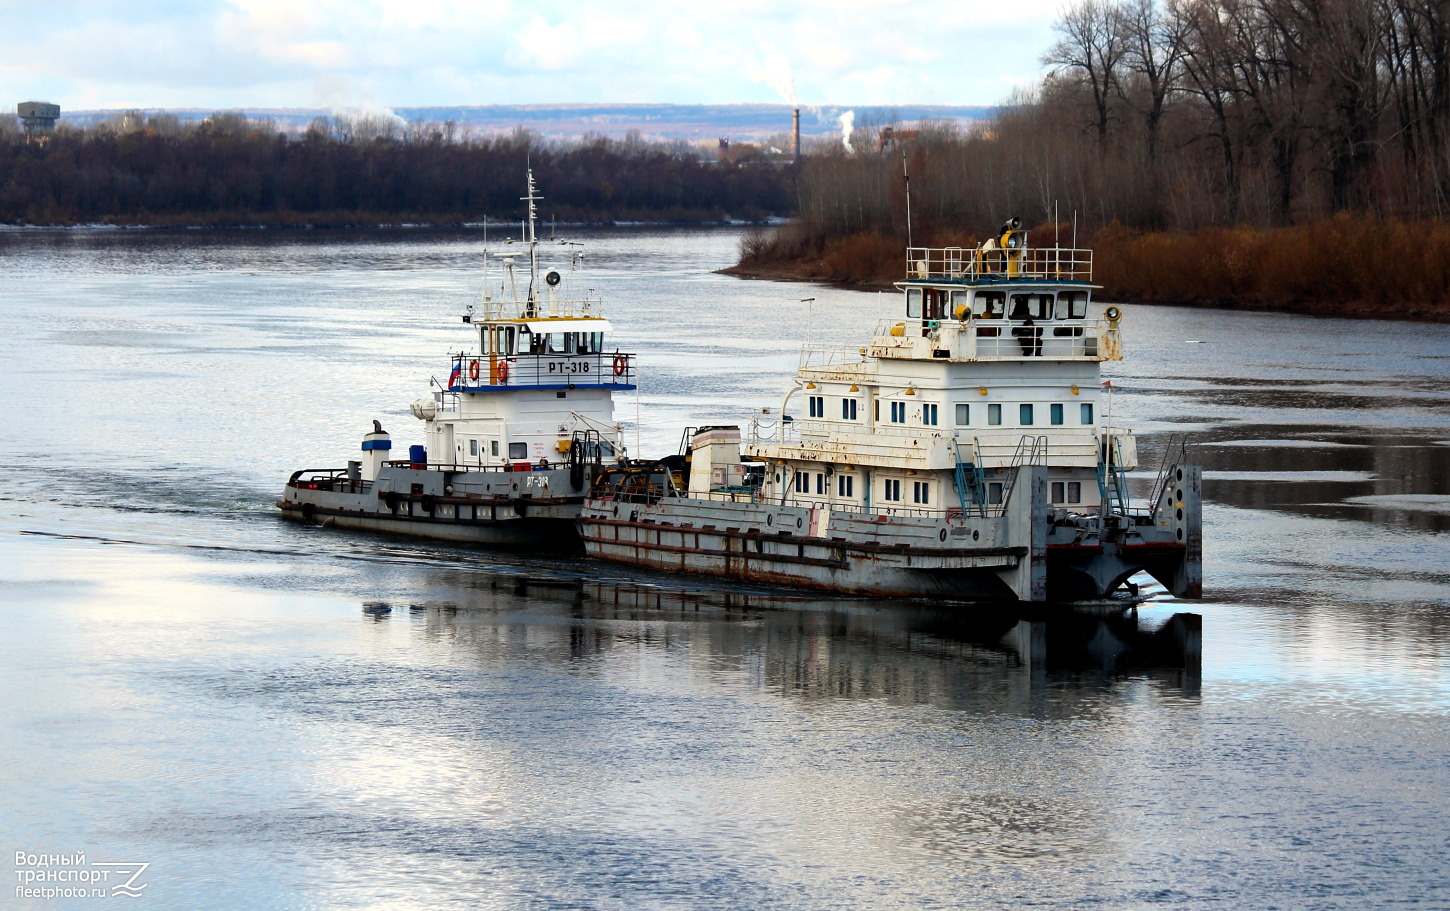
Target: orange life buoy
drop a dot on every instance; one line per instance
(621, 364)
(473, 370)
(503, 371)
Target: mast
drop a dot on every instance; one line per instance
(533, 238)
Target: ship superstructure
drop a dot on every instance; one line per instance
(515, 435)
(968, 451)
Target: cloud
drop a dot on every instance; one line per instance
(227, 53)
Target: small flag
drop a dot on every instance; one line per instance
(453, 377)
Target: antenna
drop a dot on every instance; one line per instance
(907, 178)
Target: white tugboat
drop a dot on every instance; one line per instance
(513, 439)
(969, 452)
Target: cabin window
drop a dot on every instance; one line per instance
(934, 301)
(1068, 492)
(891, 490)
(1031, 306)
(802, 482)
(473, 447)
(876, 410)
(1072, 305)
(493, 447)
(913, 303)
(994, 493)
(964, 415)
(1055, 413)
(559, 342)
(1087, 412)
(817, 406)
(1024, 415)
(921, 492)
(928, 415)
(844, 485)
(503, 336)
(961, 305)
(990, 304)
(848, 409)
(898, 412)
(994, 414)
(518, 450)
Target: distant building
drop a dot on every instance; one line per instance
(37, 116)
(891, 136)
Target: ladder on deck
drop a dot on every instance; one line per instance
(1112, 481)
(971, 481)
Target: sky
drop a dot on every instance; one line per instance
(345, 54)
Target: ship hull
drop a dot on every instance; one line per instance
(1019, 555)
(496, 509)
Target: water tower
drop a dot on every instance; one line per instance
(37, 116)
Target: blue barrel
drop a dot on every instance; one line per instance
(418, 455)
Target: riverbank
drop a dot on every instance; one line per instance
(1354, 267)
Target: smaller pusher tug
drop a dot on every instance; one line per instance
(968, 452)
(513, 441)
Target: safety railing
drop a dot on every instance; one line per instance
(570, 308)
(1043, 263)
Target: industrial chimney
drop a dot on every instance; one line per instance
(795, 133)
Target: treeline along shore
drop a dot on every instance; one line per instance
(1278, 154)
(231, 170)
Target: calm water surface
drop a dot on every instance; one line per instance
(277, 716)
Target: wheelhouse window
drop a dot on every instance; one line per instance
(961, 305)
(898, 412)
(921, 492)
(848, 409)
(844, 485)
(928, 415)
(1031, 306)
(990, 304)
(964, 415)
(817, 406)
(1055, 413)
(913, 303)
(1024, 415)
(994, 414)
(891, 490)
(1072, 305)
(802, 482)
(820, 483)
(1086, 410)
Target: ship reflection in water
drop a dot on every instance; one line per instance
(894, 650)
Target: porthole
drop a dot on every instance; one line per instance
(1178, 495)
(1180, 515)
(1180, 534)
(1180, 474)
(976, 534)
(942, 535)
(770, 520)
(799, 522)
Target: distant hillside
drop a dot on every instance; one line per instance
(689, 122)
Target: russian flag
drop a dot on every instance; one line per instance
(453, 377)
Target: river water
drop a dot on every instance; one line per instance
(279, 716)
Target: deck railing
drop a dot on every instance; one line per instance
(1045, 263)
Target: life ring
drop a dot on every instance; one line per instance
(621, 364)
(473, 370)
(503, 371)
